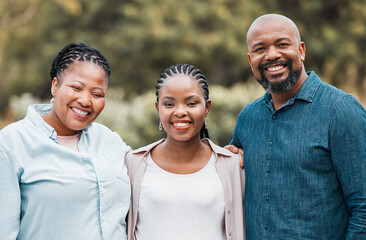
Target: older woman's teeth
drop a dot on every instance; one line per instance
(80, 112)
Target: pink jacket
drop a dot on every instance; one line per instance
(230, 174)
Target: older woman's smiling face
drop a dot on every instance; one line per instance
(79, 97)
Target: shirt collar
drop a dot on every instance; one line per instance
(309, 88)
(216, 149)
(35, 112)
(306, 92)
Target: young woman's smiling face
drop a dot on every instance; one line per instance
(182, 107)
(79, 97)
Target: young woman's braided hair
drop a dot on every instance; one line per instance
(78, 52)
(190, 71)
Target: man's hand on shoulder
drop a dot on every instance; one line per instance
(234, 149)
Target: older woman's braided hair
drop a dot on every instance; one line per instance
(78, 52)
(190, 71)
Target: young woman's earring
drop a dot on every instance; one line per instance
(160, 126)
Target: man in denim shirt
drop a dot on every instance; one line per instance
(304, 145)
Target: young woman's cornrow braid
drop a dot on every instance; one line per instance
(78, 52)
(188, 70)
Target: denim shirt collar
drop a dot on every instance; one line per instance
(35, 112)
(306, 92)
(309, 88)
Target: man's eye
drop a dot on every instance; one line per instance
(283, 44)
(258, 49)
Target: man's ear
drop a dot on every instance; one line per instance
(302, 50)
(250, 61)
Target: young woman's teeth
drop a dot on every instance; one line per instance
(180, 124)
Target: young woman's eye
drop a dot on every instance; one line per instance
(168, 104)
(191, 104)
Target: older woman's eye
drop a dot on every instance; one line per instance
(97, 95)
(76, 88)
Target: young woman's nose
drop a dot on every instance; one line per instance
(181, 110)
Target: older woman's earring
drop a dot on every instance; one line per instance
(160, 126)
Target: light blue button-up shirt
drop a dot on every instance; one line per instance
(48, 191)
(305, 165)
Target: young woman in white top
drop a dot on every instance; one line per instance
(184, 186)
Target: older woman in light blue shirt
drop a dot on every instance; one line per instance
(62, 175)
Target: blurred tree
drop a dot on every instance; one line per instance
(147, 36)
(17, 12)
(335, 35)
(142, 37)
(13, 14)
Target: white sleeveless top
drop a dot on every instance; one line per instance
(181, 206)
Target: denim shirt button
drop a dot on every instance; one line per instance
(274, 116)
(268, 170)
(265, 226)
(270, 143)
(266, 198)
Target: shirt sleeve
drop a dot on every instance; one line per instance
(348, 151)
(9, 197)
(236, 134)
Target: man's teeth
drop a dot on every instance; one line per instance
(180, 124)
(272, 69)
(80, 112)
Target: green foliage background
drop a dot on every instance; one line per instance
(140, 38)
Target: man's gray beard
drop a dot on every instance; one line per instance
(283, 86)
